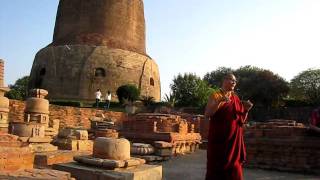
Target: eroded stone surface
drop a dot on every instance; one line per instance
(37, 174)
(110, 148)
(109, 163)
(141, 149)
(80, 172)
(15, 158)
(74, 145)
(47, 159)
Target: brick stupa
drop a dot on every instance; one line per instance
(96, 44)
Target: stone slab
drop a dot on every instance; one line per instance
(74, 145)
(36, 174)
(152, 158)
(39, 140)
(47, 159)
(15, 158)
(109, 163)
(80, 172)
(162, 144)
(42, 147)
(164, 152)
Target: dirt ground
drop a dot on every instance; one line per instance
(193, 167)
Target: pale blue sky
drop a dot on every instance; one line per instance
(186, 35)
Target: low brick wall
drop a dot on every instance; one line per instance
(68, 116)
(283, 147)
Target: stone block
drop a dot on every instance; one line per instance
(151, 158)
(74, 145)
(105, 148)
(84, 145)
(55, 123)
(37, 174)
(141, 149)
(164, 152)
(42, 147)
(16, 158)
(81, 134)
(134, 162)
(81, 172)
(67, 133)
(111, 133)
(66, 144)
(28, 129)
(47, 159)
(105, 163)
(39, 140)
(162, 144)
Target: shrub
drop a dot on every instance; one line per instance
(129, 92)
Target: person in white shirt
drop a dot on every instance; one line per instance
(108, 100)
(98, 97)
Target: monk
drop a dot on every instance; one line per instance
(226, 149)
(315, 121)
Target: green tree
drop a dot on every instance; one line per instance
(214, 78)
(128, 92)
(306, 86)
(190, 90)
(19, 89)
(261, 86)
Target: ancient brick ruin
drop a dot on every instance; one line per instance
(171, 129)
(96, 44)
(282, 145)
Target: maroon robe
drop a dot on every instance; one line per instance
(226, 149)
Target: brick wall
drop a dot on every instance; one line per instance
(68, 116)
(283, 147)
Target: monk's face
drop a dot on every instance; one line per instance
(229, 83)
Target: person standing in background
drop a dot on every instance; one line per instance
(108, 100)
(98, 97)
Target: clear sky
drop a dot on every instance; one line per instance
(186, 35)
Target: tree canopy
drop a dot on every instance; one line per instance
(261, 86)
(306, 86)
(190, 90)
(19, 89)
